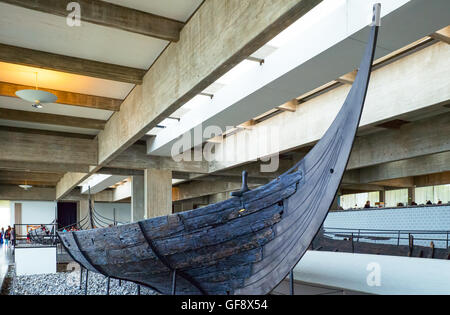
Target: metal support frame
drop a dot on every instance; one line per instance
(291, 282)
(138, 290)
(174, 282)
(81, 276)
(108, 281)
(87, 282)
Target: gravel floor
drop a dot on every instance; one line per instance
(65, 283)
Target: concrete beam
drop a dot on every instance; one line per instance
(432, 179)
(397, 182)
(425, 72)
(51, 119)
(25, 147)
(190, 66)
(90, 68)
(110, 15)
(135, 157)
(68, 183)
(66, 98)
(43, 167)
(294, 69)
(14, 192)
(442, 35)
(429, 164)
(120, 171)
(100, 183)
(428, 136)
(31, 178)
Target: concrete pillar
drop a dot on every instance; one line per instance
(382, 198)
(83, 212)
(158, 192)
(411, 195)
(137, 198)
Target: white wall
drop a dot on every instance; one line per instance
(35, 261)
(123, 211)
(375, 274)
(35, 212)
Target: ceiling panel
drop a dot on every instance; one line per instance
(57, 109)
(19, 124)
(63, 81)
(46, 32)
(180, 10)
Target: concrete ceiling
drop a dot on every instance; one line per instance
(179, 10)
(50, 33)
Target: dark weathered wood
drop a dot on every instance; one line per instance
(247, 244)
(66, 98)
(111, 15)
(90, 68)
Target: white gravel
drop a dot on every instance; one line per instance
(67, 283)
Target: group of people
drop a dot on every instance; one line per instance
(7, 237)
(400, 204)
(72, 229)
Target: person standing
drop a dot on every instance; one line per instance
(2, 233)
(7, 236)
(12, 237)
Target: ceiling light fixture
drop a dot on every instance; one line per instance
(26, 187)
(37, 97)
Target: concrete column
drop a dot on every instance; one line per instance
(383, 197)
(158, 192)
(83, 212)
(411, 195)
(137, 198)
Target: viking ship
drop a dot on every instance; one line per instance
(247, 244)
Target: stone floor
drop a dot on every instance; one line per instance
(68, 283)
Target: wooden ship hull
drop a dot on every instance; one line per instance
(245, 245)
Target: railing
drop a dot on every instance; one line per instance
(35, 235)
(440, 239)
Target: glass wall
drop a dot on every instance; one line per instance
(433, 193)
(393, 197)
(359, 200)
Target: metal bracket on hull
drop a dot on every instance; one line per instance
(244, 188)
(168, 265)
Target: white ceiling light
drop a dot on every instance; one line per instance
(37, 97)
(26, 187)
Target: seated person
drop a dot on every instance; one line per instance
(429, 202)
(367, 205)
(400, 204)
(413, 203)
(439, 202)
